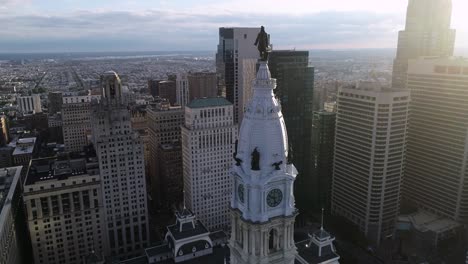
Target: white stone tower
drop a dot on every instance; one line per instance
(262, 204)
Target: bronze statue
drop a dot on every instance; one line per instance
(277, 165)
(255, 160)
(263, 44)
(238, 161)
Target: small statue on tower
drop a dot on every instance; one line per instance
(263, 44)
(255, 160)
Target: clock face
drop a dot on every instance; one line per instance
(274, 197)
(240, 192)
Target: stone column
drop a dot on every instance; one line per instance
(261, 237)
(285, 237)
(290, 236)
(233, 229)
(245, 240)
(252, 236)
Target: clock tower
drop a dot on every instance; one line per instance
(262, 203)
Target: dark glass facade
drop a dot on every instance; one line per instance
(323, 142)
(225, 63)
(295, 85)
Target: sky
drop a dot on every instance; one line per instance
(176, 25)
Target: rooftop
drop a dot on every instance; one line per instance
(208, 102)
(424, 221)
(310, 253)
(24, 146)
(188, 230)
(153, 251)
(59, 168)
(220, 255)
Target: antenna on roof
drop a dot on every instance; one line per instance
(321, 225)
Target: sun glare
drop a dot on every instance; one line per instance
(459, 16)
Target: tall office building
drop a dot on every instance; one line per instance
(435, 174)
(164, 123)
(295, 84)
(167, 90)
(208, 137)
(29, 104)
(202, 84)
(182, 89)
(194, 85)
(153, 86)
(55, 102)
(11, 218)
(76, 122)
(65, 213)
(4, 130)
(427, 33)
(323, 147)
(371, 129)
(235, 65)
(171, 175)
(122, 167)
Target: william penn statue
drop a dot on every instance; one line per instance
(263, 44)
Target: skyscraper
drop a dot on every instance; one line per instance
(4, 130)
(121, 163)
(202, 84)
(427, 33)
(182, 89)
(55, 102)
(208, 137)
(323, 146)
(235, 65)
(11, 216)
(164, 123)
(76, 122)
(262, 203)
(29, 104)
(295, 84)
(435, 174)
(371, 128)
(171, 174)
(196, 85)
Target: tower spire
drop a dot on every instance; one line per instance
(321, 225)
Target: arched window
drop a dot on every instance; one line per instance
(273, 240)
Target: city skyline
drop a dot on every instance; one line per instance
(81, 26)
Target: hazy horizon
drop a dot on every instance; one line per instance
(123, 25)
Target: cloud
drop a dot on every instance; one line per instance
(173, 30)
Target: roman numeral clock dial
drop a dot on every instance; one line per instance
(274, 197)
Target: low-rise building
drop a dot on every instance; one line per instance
(24, 150)
(187, 241)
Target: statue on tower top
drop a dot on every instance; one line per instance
(263, 44)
